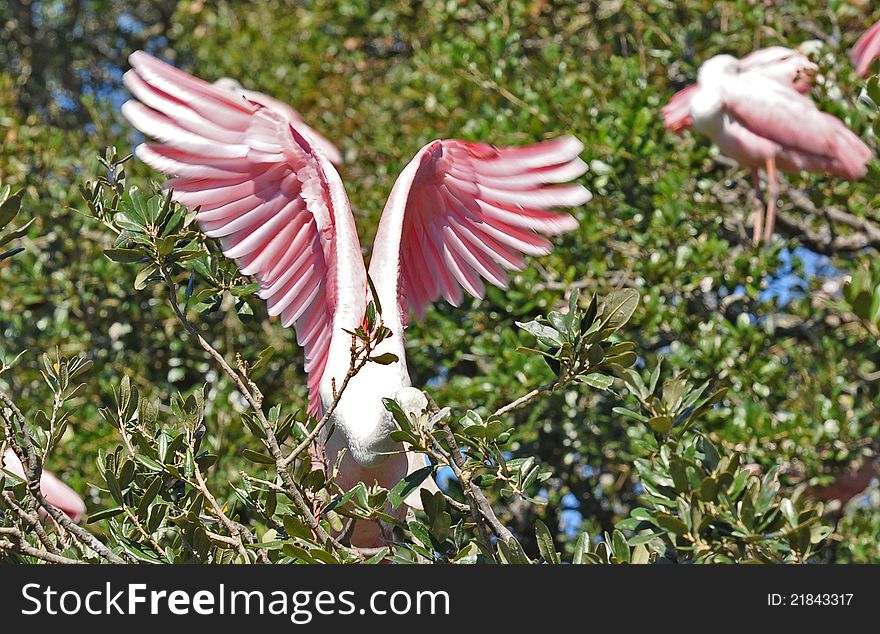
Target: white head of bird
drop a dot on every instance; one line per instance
(707, 104)
(717, 69)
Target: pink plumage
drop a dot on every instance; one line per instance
(256, 187)
(465, 212)
(783, 65)
(330, 150)
(460, 213)
(54, 490)
(866, 51)
(764, 124)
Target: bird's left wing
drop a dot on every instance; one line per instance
(463, 212)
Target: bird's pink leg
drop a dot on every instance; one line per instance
(759, 208)
(772, 196)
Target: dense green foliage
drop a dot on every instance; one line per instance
(706, 425)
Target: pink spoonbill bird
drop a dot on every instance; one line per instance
(787, 66)
(459, 213)
(866, 51)
(763, 124)
(54, 490)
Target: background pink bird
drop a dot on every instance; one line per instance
(866, 50)
(785, 65)
(764, 124)
(460, 213)
(56, 492)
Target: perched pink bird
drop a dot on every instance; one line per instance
(787, 66)
(766, 125)
(55, 491)
(459, 213)
(866, 50)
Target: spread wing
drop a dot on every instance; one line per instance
(461, 213)
(276, 205)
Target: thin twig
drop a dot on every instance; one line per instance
(21, 546)
(477, 497)
(218, 512)
(525, 398)
(357, 362)
(291, 489)
(33, 472)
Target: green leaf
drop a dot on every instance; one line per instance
(256, 456)
(149, 463)
(397, 412)
(581, 547)
(386, 358)
(619, 307)
(409, 484)
(512, 552)
(18, 233)
(140, 282)
(598, 381)
(671, 524)
(105, 514)
(545, 334)
(619, 547)
(149, 495)
(660, 424)
(263, 357)
(440, 526)
(545, 543)
(789, 512)
(113, 486)
(9, 209)
(124, 255)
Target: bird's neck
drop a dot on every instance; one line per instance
(359, 415)
(707, 110)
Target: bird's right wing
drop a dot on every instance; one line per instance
(275, 203)
(462, 212)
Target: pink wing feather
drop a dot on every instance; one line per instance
(54, 490)
(463, 212)
(330, 150)
(866, 50)
(778, 63)
(809, 138)
(676, 113)
(276, 204)
(783, 65)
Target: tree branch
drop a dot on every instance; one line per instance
(33, 471)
